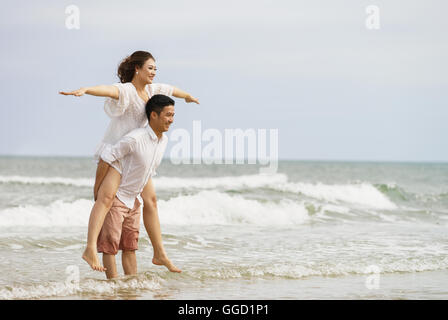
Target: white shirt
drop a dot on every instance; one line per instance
(136, 156)
(128, 112)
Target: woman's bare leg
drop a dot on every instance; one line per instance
(101, 172)
(106, 195)
(152, 226)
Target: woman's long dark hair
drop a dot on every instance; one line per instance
(126, 69)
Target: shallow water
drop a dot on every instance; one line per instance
(314, 230)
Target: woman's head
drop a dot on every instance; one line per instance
(140, 64)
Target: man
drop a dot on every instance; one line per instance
(135, 157)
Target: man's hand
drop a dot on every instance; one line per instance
(76, 93)
(191, 99)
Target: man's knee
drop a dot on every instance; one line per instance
(128, 253)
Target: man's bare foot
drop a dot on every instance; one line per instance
(91, 258)
(164, 261)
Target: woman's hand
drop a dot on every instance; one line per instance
(76, 93)
(99, 91)
(189, 98)
(178, 93)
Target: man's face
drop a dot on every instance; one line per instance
(165, 119)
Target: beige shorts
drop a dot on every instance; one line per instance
(120, 229)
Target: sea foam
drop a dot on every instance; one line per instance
(87, 287)
(205, 207)
(363, 194)
(77, 182)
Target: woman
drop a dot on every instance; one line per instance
(125, 104)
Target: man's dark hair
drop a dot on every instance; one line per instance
(157, 103)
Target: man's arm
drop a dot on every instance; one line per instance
(119, 150)
(99, 91)
(110, 154)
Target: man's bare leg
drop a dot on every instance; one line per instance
(152, 226)
(111, 265)
(106, 195)
(129, 261)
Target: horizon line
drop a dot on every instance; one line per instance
(245, 160)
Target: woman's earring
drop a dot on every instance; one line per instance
(136, 72)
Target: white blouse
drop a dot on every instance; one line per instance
(128, 112)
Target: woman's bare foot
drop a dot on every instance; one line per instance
(164, 261)
(91, 258)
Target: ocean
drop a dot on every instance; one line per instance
(313, 230)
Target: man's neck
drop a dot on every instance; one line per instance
(158, 133)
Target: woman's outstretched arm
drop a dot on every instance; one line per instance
(99, 91)
(184, 95)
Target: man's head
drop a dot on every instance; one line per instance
(160, 112)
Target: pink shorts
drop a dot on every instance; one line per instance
(120, 229)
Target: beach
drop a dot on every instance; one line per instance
(313, 230)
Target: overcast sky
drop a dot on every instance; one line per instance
(333, 88)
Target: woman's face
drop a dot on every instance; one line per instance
(148, 71)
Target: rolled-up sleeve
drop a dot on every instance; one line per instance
(114, 107)
(119, 150)
(161, 88)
